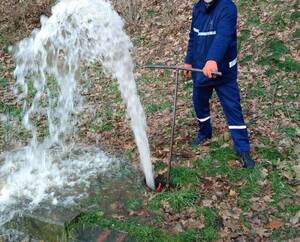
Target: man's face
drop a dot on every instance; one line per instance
(208, 3)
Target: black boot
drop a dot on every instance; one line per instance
(247, 160)
(200, 139)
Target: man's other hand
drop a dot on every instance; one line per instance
(210, 67)
(187, 74)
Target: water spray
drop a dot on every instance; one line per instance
(79, 33)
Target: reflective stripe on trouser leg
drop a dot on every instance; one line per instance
(201, 96)
(202, 120)
(240, 138)
(229, 96)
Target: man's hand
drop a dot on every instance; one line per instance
(187, 74)
(210, 67)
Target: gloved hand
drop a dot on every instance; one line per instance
(187, 74)
(210, 67)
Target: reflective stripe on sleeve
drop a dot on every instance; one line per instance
(237, 127)
(204, 33)
(232, 63)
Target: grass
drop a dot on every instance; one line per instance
(244, 35)
(183, 176)
(101, 127)
(296, 34)
(159, 165)
(270, 154)
(284, 234)
(277, 64)
(216, 162)
(178, 200)
(251, 187)
(280, 189)
(4, 41)
(10, 109)
(289, 131)
(137, 231)
(153, 107)
(276, 50)
(133, 204)
(3, 83)
(258, 90)
(144, 233)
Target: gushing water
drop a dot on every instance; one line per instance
(78, 32)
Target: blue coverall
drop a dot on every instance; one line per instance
(213, 36)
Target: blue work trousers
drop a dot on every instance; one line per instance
(229, 96)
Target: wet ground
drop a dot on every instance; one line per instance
(113, 195)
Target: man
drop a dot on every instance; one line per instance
(213, 47)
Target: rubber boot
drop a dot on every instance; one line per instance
(205, 133)
(248, 162)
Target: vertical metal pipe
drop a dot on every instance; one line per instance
(173, 128)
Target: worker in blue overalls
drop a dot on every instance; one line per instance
(213, 47)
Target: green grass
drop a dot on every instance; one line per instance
(4, 41)
(210, 216)
(182, 176)
(188, 87)
(154, 107)
(133, 204)
(3, 83)
(295, 16)
(296, 34)
(159, 165)
(253, 18)
(246, 59)
(277, 48)
(284, 234)
(151, 13)
(289, 64)
(10, 109)
(270, 154)
(251, 188)
(245, 34)
(144, 233)
(258, 90)
(290, 132)
(217, 162)
(178, 200)
(138, 231)
(279, 188)
(205, 234)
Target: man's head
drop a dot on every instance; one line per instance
(209, 3)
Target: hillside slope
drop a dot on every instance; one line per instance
(213, 197)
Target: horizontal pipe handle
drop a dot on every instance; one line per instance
(180, 68)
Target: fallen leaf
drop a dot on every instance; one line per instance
(275, 224)
(262, 232)
(297, 149)
(207, 203)
(294, 220)
(232, 193)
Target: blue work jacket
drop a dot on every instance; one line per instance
(213, 36)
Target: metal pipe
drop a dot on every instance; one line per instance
(180, 68)
(173, 128)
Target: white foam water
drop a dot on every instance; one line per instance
(78, 32)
